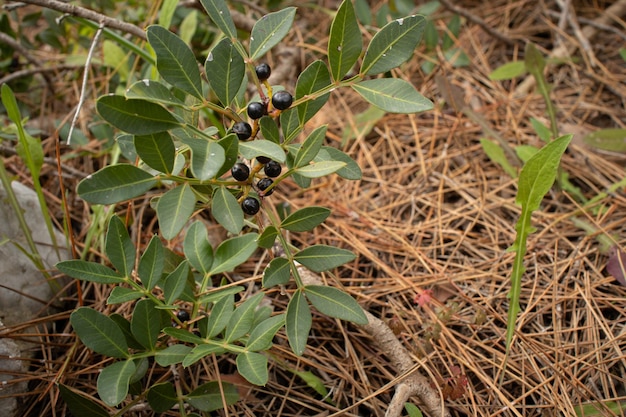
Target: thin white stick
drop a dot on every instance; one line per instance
(83, 87)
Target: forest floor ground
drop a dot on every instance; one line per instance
(433, 217)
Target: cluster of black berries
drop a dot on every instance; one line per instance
(281, 100)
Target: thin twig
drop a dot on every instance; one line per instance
(90, 15)
(411, 381)
(83, 88)
(480, 22)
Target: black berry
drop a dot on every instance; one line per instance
(243, 130)
(282, 100)
(182, 315)
(272, 169)
(263, 159)
(240, 171)
(256, 110)
(263, 71)
(264, 184)
(250, 205)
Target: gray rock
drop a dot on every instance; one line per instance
(24, 292)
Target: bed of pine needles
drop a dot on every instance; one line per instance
(430, 221)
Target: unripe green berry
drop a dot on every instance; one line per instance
(264, 184)
(240, 171)
(282, 100)
(272, 169)
(256, 110)
(243, 130)
(263, 71)
(250, 206)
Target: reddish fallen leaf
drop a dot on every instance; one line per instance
(617, 265)
(423, 298)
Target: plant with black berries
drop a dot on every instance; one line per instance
(221, 157)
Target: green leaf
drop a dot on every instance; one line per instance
(233, 252)
(525, 152)
(298, 322)
(535, 64)
(262, 335)
(277, 272)
(172, 355)
(393, 95)
(220, 315)
(241, 320)
(225, 70)
(320, 169)
(310, 147)
(89, 271)
(153, 91)
(122, 295)
(115, 183)
(197, 248)
(305, 219)
(612, 140)
(124, 326)
(151, 264)
(201, 351)
(99, 333)
(542, 130)
(508, 71)
(351, 171)
(230, 144)
(220, 15)
(497, 155)
(162, 397)
(80, 405)
(119, 248)
(535, 180)
(412, 410)
(182, 335)
(344, 43)
(29, 148)
(290, 125)
(175, 283)
(268, 237)
(175, 61)
(364, 122)
(269, 129)
(393, 44)
(146, 323)
(217, 294)
(136, 116)
(260, 147)
(253, 367)
(188, 26)
(314, 78)
(320, 258)
(226, 210)
(157, 151)
(211, 396)
(207, 157)
(113, 382)
(270, 30)
(166, 12)
(335, 303)
(449, 37)
(174, 209)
